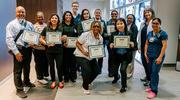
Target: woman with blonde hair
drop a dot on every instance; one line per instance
(90, 69)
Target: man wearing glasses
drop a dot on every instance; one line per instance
(76, 15)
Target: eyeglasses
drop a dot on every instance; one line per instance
(155, 23)
(130, 18)
(20, 12)
(75, 6)
(96, 26)
(113, 14)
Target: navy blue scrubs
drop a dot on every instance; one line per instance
(153, 52)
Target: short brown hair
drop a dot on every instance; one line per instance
(75, 2)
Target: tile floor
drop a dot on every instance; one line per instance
(169, 88)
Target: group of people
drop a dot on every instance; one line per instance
(152, 43)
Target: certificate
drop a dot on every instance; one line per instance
(122, 41)
(31, 37)
(110, 29)
(86, 24)
(71, 41)
(53, 37)
(96, 51)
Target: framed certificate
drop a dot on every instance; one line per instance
(32, 37)
(122, 41)
(86, 24)
(96, 51)
(71, 41)
(110, 29)
(52, 37)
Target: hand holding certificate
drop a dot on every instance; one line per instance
(110, 29)
(96, 51)
(31, 37)
(71, 42)
(121, 41)
(86, 24)
(53, 37)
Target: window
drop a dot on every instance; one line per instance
(125, 7)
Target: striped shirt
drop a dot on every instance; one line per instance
(39, 28)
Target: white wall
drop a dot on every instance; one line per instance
(168, 12)
(91, 5)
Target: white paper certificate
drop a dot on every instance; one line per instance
(53, 37)
(86, 24)
(71, 41)
(110, 29)
(96, 51)
(32, 37)
(121, 41)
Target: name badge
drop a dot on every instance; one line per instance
(151, 39)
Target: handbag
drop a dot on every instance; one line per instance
(21, 31)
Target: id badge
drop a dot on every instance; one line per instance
(151, 39)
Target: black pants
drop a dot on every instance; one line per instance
(145, 65)
(41, 63)
(116, 61)
(57, 57)
(24, 65)
(90, 70)
(69, 64)
(100, 62)
(109, 59)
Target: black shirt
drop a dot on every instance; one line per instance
(58, 48)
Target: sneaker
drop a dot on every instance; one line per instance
(147, 83)
(87, 92)
(21, 94)
(47, 78)
(29, 84)
(151, 95)
(123, 89)
(148, 90)
(42, 81)
(143, 79)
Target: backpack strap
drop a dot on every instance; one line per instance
(21, 31)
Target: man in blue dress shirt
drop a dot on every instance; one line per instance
(21, 51)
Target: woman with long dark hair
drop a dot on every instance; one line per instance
(121, 56)
(69, 64)
(54, 51)
(84, 16)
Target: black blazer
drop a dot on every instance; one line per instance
(134, 31)
(129, 50)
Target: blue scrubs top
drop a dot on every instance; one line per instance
(77, 19)
(155, 43)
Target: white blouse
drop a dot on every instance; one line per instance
(86, 39)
